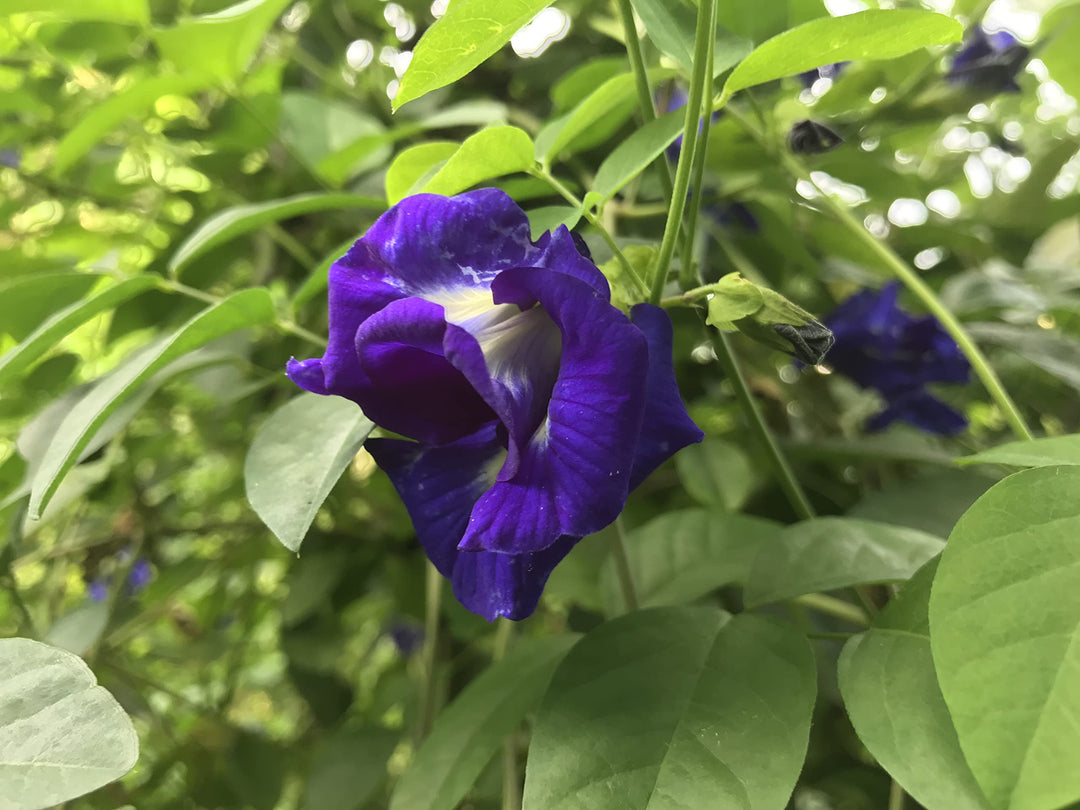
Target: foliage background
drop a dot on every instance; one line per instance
(136, 137)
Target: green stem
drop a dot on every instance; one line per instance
(688, 277)
(429, 691)
(511, 783)
(896, 796)
(702, 42)
(622, 567)
(543, 174)
(831, 606)
(784, 474)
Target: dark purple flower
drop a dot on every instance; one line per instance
(98, 590)
(880, 346)
(830, 71)
(535, 406)
(140, 575)
(407, 636)
(989, 62)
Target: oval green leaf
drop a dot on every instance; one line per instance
(64, 321)
(412, 164)
(673, 708)
(468, 33)
(1045, 452)
(241, 219)
(490, 153)
(829, 553)
(61, 735)
(670, 24)
(469, 731)
(865, 35)
(296, 458)
(1005, 634)
(892, 696)
(633, 155)
(684, 555)
(240, 310)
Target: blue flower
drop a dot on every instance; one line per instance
(139, 576)
(534, 406)
(880, 346)
(830, 71)
(989, 62)
(11, 158)
(98, 590)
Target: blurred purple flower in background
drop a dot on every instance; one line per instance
(138, 578)
(989, 62)
(533, 404)
(830, 71)
(880, 346)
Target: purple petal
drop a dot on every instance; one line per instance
(574, 474)
(666, 428)
(921, 409)
(439, 486)
(408, 385)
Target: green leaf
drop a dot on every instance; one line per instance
(633, 155)
(598, 106)
(468, 33)
(681, 556)
(670, 24)
(1044, 452)
(317, 282)
(866, 35)
(80, 629)
(219, 44)
(1053, 351)
(240, 310)
(892, 696)
(65, 320)
(132, 103)
(1005, 633)
(717, 473)
(1060, 54)
(121, 11)
(348, 767)
(241, 219)
(490, 153)
(943, 496)
(27, 301)
(470, 730)
(332, 138)
(412, 164)
(61, 735)
(550, 217)
(296, 458)
(674, 708)
(832, 552)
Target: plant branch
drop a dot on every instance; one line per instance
(623, 571)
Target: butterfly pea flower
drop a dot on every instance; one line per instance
(881, 347)
(989, 62)
(530, 405)
(137, 579)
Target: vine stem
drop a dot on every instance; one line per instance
(896, 796)
(429, 688)
(706, 23)
(784, 474)
(834, 607)
(641, 81)
(511, 784)
(623, 571)
(910, 279)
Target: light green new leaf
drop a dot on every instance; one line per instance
(242, 219)
(219, 44)
(1005, 633)
(681, 556)
(633, 155)
(296, 458)
(488, 154)
(1044, 452)
(733, 298)
(468, 33)
(673, 708)
(865, 35)
(469, 731)
(61, 735)
(63, 321)
(832, 552)
(596, 108)
(892, 696)
(412, 164)
(670, 24)
(550, 217)
(121, 11)
(124, 106)
(240, 310)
